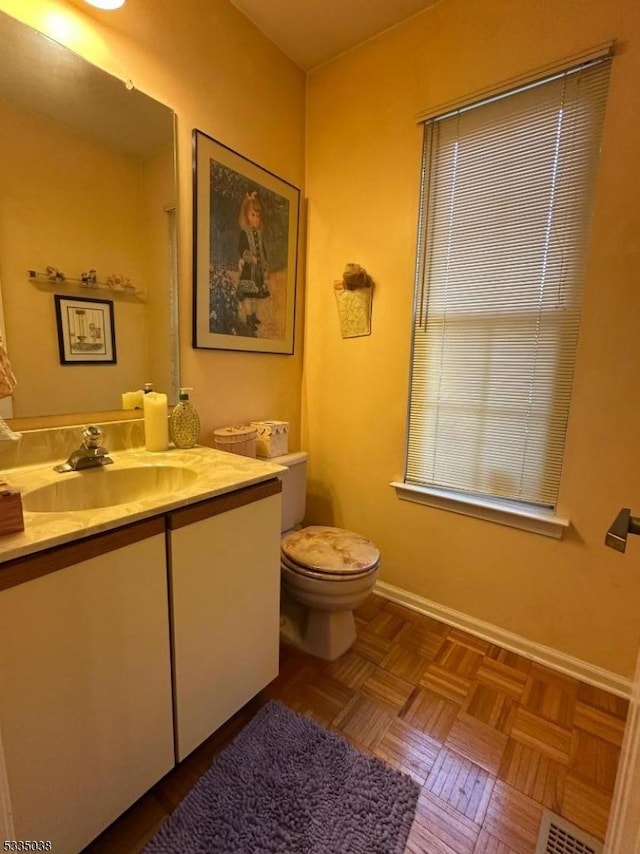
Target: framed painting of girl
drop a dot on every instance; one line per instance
(245, 252)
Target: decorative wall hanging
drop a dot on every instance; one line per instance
(354, 297)
(246, 249)
(86, 331)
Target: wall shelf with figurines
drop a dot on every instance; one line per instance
(115, 282)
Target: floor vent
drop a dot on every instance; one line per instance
(559, 836)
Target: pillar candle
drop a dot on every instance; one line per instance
(130, 399)
(156, 423)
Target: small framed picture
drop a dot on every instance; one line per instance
(246, 252)
(86, 331)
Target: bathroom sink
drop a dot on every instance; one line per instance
(104, 487)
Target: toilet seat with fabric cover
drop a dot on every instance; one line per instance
(321, 551)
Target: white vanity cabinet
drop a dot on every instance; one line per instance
(85, 682)
(225, 589)
(120, 652)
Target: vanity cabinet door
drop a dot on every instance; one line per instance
(85, 683)
(225, 586)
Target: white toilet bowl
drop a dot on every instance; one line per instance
(326, 573)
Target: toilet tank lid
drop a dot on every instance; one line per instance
(290, 459)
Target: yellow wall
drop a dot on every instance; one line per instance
(219, 74)
(363, 160)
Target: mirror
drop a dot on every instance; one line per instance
(87, 204)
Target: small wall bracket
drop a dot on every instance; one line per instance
(623, 525)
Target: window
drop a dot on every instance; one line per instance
(505, 205)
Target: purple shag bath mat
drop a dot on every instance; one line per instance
(286, 785)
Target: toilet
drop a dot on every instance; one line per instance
(326, 572)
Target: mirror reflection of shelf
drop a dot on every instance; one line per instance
(115, 283)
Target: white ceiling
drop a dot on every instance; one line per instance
(312, 32)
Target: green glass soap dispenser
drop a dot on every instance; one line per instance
(184, 424)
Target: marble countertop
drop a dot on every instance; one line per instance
(216, 473)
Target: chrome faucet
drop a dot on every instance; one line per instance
(90, 454)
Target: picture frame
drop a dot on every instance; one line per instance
(245, 252)
(86, 330)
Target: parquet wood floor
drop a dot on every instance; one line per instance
(491, 737)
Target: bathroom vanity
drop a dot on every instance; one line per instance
(130, 632)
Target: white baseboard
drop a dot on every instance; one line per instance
(546, 655)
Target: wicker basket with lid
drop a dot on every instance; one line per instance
(236, 440)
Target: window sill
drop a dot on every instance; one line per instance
(535, 520)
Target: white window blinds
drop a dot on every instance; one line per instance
(506, 197)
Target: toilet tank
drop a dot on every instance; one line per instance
(294, 488)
